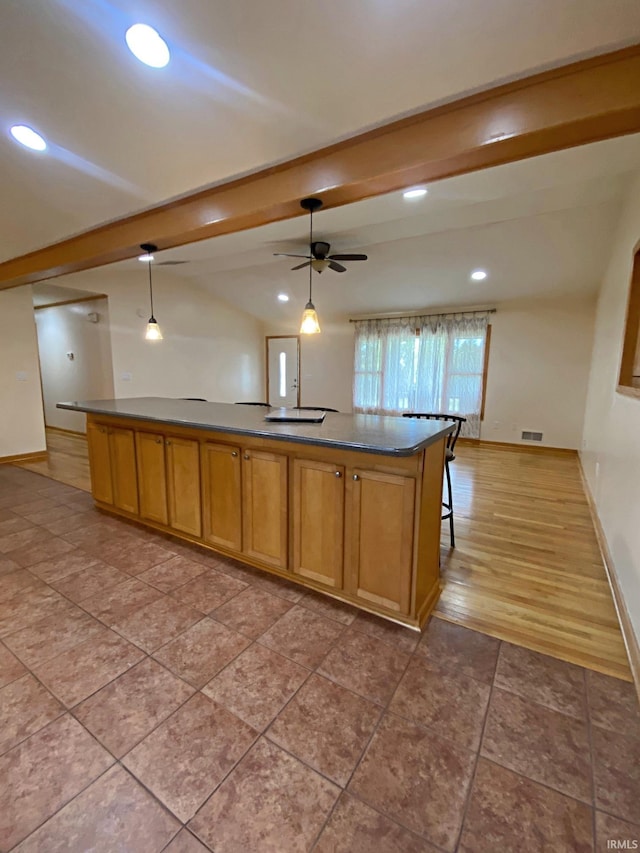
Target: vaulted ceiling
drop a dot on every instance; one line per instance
(541, 228)
(251, 82)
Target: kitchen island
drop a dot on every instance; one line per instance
(350, 507)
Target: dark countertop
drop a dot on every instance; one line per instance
(390, 436)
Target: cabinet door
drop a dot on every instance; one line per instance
(152, 476)
(183, 484)
(381, 526)
(222, 495)
(264, 507)
(123, 469)
(318, 521)
(100, 463)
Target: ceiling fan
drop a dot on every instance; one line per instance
(319, 258)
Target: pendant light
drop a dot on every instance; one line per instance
(310, 324)
(153, 332)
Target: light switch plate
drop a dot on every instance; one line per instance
(21, 376)
(126, 377)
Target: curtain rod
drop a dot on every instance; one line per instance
(415, 316)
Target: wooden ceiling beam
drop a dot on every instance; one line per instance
(576, 104)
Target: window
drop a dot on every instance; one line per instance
(629, 380)
(422, 364)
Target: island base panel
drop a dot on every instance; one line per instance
(362, 528)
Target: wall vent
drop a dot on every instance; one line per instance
(527, 435)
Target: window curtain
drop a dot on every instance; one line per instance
(432, 363)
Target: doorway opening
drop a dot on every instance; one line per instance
(74, 346)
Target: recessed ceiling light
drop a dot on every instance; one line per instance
(147, 46)
(417, 192)
(478, 275)
(283, 297)
(147, 258)
(28, 137)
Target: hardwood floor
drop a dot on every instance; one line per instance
(68, 461)
(526, 569)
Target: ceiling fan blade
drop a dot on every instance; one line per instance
(336, 267)
(299, 267)
(288, 255)
(348, 257)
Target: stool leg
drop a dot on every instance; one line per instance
(450, 495)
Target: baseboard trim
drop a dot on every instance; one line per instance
(628, 634)
(62, 431)
(527, 448)
(37, 456)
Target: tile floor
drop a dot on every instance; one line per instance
(154, 697)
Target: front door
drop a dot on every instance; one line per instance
(283, 371)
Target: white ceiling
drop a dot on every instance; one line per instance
(251, 82)
(542, 229)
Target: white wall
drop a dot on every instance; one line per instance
(209, 350)
(21, 415)
(64, 329)
(538, 370)
(611, 458)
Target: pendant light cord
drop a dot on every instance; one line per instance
(150, 289)
(311, 250)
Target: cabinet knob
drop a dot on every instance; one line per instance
(158, 441)
(246, 456)
(338, 473)
(168, 443)
(356, 477)
(234, 453)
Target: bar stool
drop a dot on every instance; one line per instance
(448, 457)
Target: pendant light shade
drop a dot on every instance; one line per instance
(153, 332)
(310, 324)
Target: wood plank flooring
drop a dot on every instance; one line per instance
(526, 569)
(68, 460)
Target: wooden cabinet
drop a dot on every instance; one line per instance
(100, 462)
(264, 507)
(112, 458)
(169, 481)
(183, 484)
(122, 450)
(152, 477)
(222, 494)
(363, 527)
(381, 518)
(318, 521)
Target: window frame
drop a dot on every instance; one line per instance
(379, 374)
